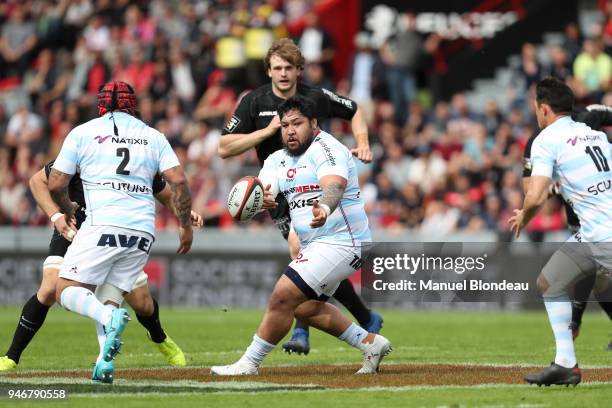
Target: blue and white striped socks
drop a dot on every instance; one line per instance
(84, 302)
(559, 311)
(354, 336)
(257, 351)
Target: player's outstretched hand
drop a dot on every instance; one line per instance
(319, 216)
(363, 153)
(516, 222)
(269, 200)
(186, 238)
(196, 220)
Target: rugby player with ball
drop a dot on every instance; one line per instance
(317, 176)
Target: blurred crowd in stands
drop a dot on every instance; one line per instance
(439, 166)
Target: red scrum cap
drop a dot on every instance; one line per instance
(117, 95)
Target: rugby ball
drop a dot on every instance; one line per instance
(245, 198)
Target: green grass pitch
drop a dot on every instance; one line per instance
(210, 336)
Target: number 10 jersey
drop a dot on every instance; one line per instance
(578, 158)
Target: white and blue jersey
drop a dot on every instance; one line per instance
(579, 158)
(117, 171)
(297, 178)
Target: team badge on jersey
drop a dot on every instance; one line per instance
(232, 123)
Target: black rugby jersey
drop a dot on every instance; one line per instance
(257, 108)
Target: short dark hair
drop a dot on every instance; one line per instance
(299, 103)
(556, 94)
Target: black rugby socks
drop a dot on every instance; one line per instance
(31, 320)
(152, 324)
(346, 295)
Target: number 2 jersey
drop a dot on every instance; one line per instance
(117, 172)
(75, 192)
(298, 180)
(579, 158)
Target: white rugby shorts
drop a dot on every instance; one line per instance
(106, 253)
(324, 265)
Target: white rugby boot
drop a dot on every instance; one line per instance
(373, 353)
(241, 367)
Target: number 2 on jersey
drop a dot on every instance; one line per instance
(125, 153)
(598, 158)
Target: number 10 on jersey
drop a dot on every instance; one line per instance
(598, 158)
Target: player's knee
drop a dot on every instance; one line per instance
(140, 297)
(280, 301)
(308, 309)
(277, 302)
(46, 293)
(302, 311)
(542, 284)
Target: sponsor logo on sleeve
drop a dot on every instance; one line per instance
(232, 124)
(346, 102)
(327, 151)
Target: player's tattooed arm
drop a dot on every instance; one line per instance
(181, 200)
(58, 188)
(165, 199)
(333, 189)
(181, 196)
